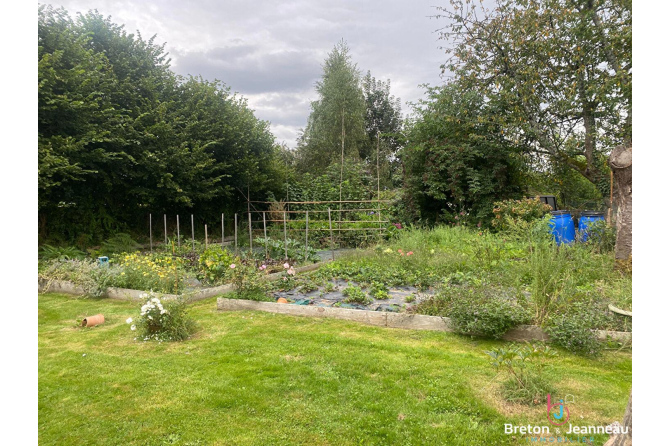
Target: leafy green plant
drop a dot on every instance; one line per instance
(215, 264)
(48, 252)
(87, 274)
(411, 298)
(573, 332)
(484, 311)
(601, 236)
(163, 321)
(378, 291)
(355, 294)
(159, 272)
(518, 212)
(119, 243)
(294, 249)
(247, 280)
(523, 365)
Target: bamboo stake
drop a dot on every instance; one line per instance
(151, 240)
(332, 243)
(251, 245)
(178, 237)
(285, 245)
(192, 234)
(223, 234)
(205, 236)
(165, 227)
(609, 211)
(265, 235)
(235, 234)
(306, 232)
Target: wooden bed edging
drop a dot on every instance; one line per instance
(58, 286)
(393, 320)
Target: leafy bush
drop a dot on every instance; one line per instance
(215, 263)
(119, 243)
(518, 212)
(356, 295)
(294, 250)
(601, 236)
(48, 252)
(484, 312)
(163, 321)
(572, 331)
(523, 365)
(247, 280)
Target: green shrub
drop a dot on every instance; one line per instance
(379, 291)
(119, 243)
(247, 280)
(601, 236)
(215, 264)
(48, 252)
(163, 321)
(293, 249)
(573, 332)
(485, 312)
(523, 365)
(517, 212)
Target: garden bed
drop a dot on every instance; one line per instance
(396, 320)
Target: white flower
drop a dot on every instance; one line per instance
(163, 311)
(155, 299)
(150, 317)
(129, 320)
(143, 295)
(286, 265)
(132, 327)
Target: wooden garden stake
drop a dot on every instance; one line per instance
(178, 237)
(332, 243)
(205, 236)
(222, 232)
(235, 234)
(192, 234)
(265, 235)
(285, 245)
(165, 227)
(151, 240)
(306, 232)
(251, 245)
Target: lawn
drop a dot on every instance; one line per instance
(257, 378)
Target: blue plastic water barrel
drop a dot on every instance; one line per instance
(585, 220)
(562, 227)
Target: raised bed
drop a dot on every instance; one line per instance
(394, 320)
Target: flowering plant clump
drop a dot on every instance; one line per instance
(288, 277)
(163, 321)
(247, 279)
(151, 272)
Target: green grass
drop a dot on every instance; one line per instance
(249, 378)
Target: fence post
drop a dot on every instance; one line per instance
(192, 234)
(165, 227)
(235, 234)
(332, 243)
(285, 245)
(151, 240)
(178, 236)
(222, 232)
(205, 236)
(306, 232)
(251, 243)
(265, 235)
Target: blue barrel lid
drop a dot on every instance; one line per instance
(592, 214)
(560, 212)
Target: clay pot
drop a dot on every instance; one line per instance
(282, 300)
(92, 321)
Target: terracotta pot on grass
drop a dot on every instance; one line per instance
(92, 321)
(282, 300)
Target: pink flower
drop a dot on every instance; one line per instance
(232, 266)
(400, 251)
(291, 272)
(410, 253)
(286, 266)
(262, 267)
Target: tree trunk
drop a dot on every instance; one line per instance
(621, 163)
(627, 438)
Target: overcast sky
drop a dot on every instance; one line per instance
(271, 51)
